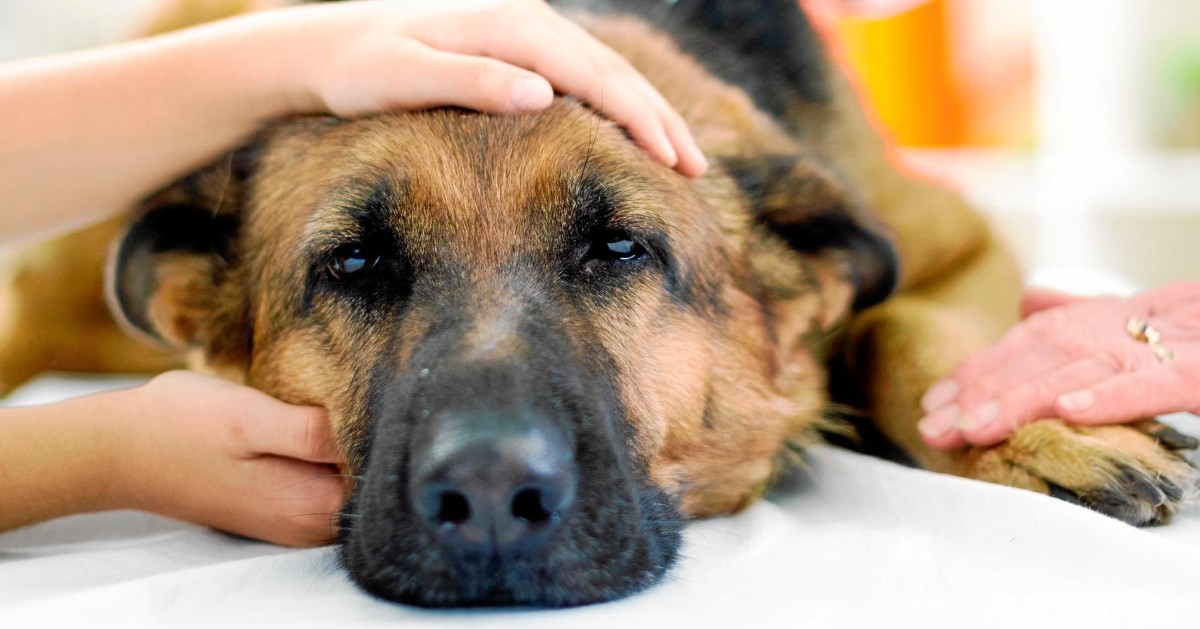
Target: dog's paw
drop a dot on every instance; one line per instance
(1134, 473)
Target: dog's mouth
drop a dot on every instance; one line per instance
(489, 485)
(596, 555)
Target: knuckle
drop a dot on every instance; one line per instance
(976, 391)
(235, 429)
(306, 436)
(475, 74)
(1037, 393)
(312, 433)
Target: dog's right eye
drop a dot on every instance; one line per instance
(351, 261)
(616, 247)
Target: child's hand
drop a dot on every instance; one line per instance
(227, 456)
(497, 56)
(122, 121)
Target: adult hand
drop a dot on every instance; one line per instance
(1073, 358)
(207, 451)
(489, 55)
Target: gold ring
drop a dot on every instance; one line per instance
(1163, 354)
(1141, 331)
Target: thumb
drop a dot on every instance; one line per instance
(296, 432)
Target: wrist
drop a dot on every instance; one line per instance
(259, 63)
(62, 458)
(129, 415)
(232, 76)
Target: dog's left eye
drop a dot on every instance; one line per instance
(350, 260)
(616, 247)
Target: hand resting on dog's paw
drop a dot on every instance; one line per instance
(1087, 361)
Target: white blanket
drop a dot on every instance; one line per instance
(867, 543)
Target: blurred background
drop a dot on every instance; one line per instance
(1075, 124)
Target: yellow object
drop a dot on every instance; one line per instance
(904, 65)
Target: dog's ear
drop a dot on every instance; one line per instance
(172, 275)
(804, 202)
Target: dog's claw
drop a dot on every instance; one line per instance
(1142, 487)
(1170, 438)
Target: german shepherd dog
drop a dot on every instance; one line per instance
(542, 351)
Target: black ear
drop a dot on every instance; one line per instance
(170, 273)
(803, 202)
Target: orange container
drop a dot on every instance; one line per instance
(937, 73)
(903, 63)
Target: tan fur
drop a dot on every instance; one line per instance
(715, 400)
(54, 317)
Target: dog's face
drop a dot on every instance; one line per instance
(540, 350)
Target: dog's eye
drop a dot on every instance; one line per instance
(616, 247)
(350, 260)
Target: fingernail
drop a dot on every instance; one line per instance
(1077, 401)
(531, 93)
(979, 416)
(939, 395)
(668, 151)
(939, 422)
(692, 149)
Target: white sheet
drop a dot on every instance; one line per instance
(869, 543)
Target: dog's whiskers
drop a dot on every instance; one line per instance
(592, 143)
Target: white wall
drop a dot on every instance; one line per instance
(35, 27)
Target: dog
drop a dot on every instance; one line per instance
(543, 353)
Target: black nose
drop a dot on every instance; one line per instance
(492, 483)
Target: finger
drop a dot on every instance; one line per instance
(692, 162)
(316, 520)
(440, 78)
(1037, 299)
(534, 39)
(940, 395)
(297, 432)
(996, 420)
(302, 507)
(1046, 341)
(1166, 388)
(279, 500)
(938, 431)
(1017, 356)
(614, 89)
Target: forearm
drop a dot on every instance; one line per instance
(88, 134)
(61, 459)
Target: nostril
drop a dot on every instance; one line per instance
(453, 508)
(527, 505)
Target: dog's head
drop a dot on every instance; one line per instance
(540, 350)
